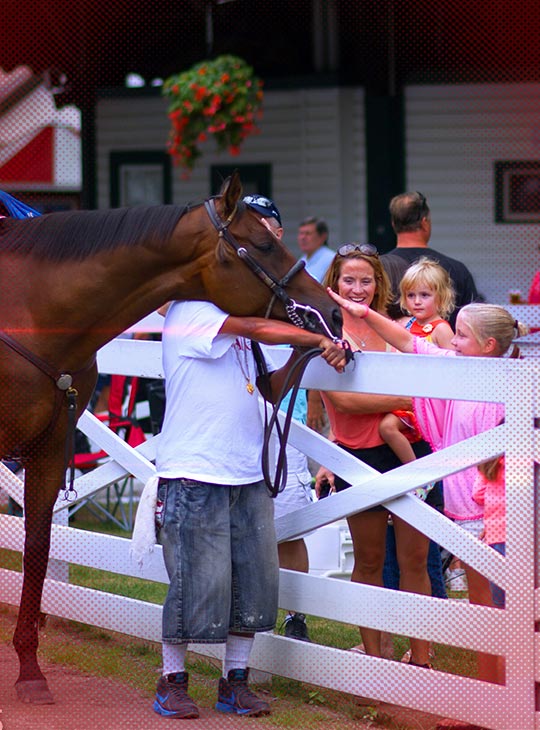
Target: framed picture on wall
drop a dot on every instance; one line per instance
(256, 179)
(140, 178)
(517, 191)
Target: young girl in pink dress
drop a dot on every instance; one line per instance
(482, 330)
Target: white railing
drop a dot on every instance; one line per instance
(509, 632)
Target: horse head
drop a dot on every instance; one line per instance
(254, 273)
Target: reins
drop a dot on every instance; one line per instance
(277, 483)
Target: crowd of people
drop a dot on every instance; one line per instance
(214, 516)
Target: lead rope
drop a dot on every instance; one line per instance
(277, 484)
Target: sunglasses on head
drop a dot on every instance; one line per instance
(366, 248)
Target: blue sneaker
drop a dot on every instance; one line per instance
(172, 699)
(235, 696)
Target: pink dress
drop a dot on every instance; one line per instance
(491, 495)
(447, 422)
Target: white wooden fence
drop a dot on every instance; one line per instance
(510, 632)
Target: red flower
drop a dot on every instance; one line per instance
(234, 150)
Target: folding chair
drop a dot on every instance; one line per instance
(120, 420)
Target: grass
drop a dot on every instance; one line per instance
(138, 662)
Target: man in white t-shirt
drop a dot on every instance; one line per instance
(215, 516)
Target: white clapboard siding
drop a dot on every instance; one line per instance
(454, 135)
(313, 138)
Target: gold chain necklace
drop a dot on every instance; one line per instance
(244, 366)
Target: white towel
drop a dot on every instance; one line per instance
(144, 530)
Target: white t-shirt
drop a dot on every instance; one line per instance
(213, 429)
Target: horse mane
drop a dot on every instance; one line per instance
(76, 235)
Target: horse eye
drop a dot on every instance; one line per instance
(266, 247)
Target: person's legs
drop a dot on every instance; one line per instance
(368, 533)
(255, 575)
(197, 551)
(497, 593)
(435, 572)
(197, 557)
(412, 550)
(391, 431)
(490, 668)
(293, 555)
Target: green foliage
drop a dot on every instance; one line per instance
(221, 97)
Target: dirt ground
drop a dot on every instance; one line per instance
(87, 702)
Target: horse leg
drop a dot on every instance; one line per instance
(44, 475)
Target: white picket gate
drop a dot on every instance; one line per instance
(510, 632)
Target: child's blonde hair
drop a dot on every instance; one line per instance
(491, 320)
(431, 275)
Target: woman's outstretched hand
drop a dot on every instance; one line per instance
(357, 310)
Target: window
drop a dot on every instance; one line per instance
(140, 178)
(517, 192)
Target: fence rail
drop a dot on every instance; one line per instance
(509, 632)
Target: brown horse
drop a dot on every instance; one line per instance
(69, 283)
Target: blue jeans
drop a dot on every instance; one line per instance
(220, 551)
(497, 593)
(434, 566)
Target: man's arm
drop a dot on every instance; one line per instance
(272, 332)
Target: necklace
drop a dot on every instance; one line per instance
(244, 366)
(358, 340)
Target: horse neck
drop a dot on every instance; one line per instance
(98, 298)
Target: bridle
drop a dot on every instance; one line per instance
(301, 315)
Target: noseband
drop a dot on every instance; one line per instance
(301, 315)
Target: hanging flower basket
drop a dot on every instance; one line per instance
(222, 98)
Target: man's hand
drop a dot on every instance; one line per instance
(333, 353)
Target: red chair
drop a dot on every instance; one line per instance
(119, 419)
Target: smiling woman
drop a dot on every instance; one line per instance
(358, 276)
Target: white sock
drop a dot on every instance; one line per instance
(174, 656)
(237, 651)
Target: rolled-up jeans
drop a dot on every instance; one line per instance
(220, 551)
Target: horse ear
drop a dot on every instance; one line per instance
(231, 192)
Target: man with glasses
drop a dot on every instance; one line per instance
(411, 221)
